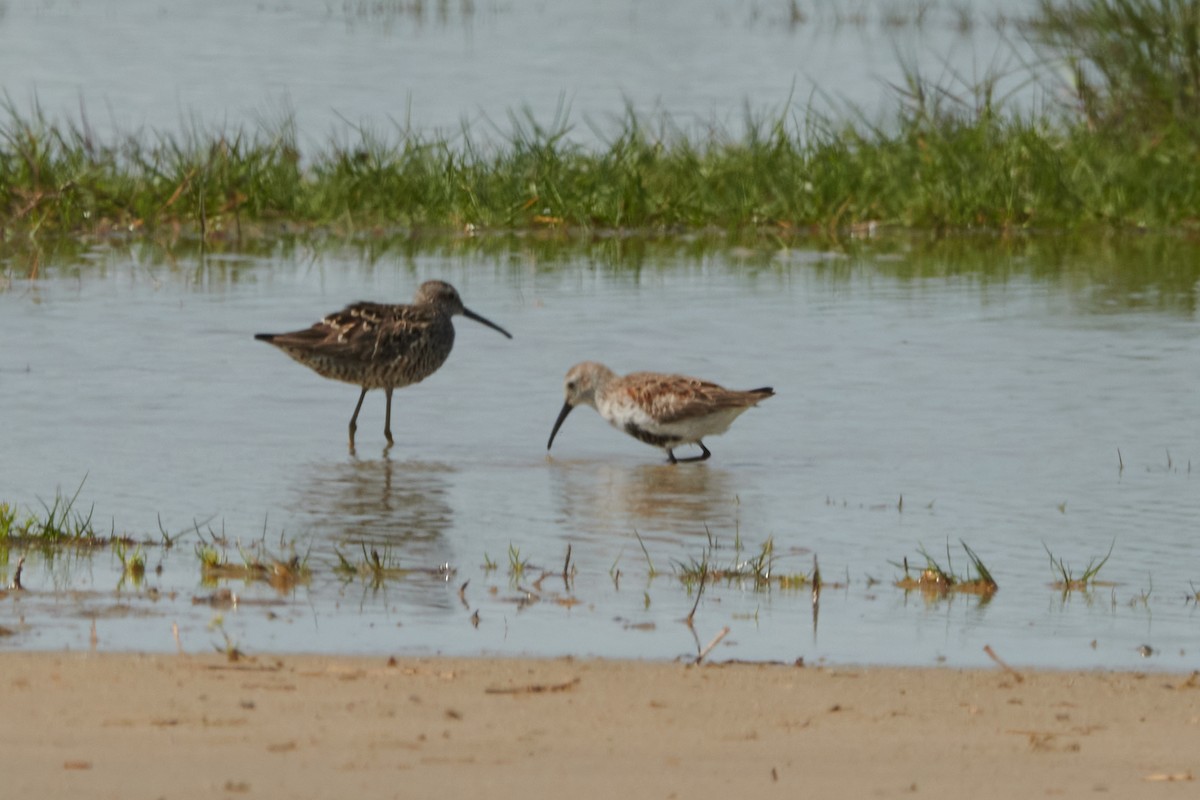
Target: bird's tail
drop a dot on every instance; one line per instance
(265, 337)
(765, 391)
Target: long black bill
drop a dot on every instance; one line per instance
(472, 315)
(566, 409)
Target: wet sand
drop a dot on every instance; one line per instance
(154, 726)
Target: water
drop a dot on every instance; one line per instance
(989, 388)
(169, 66)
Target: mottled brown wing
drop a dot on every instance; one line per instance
(364, 330)
(674, 398)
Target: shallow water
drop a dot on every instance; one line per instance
(127, 65)
(926, 395)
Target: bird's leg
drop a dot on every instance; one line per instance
(387, 420)
(671, 457)
(354, 419)
(702, 457)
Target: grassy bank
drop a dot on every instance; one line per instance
(1122, 152)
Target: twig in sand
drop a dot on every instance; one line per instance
(534, 688)
(987, 648)
(720, 635)
(1169, 777)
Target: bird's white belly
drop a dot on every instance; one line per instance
(625, 416)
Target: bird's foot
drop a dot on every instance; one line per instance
(704, 456)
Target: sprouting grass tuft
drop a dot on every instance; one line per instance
(282, 571)
(938, 581)
(516, 564)
(931, 580)
(211, 559)
(1067, 580)
(757, 569)
(1143, 596)
(646, 553)
(58, 524)
(61, 522)
(379, 567)
(984, 577)
(133, 562)
(168, 540)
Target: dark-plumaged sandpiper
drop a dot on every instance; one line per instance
(379, 346)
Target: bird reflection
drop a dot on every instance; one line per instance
(603, 498)
(380, 502)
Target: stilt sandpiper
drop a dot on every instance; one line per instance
(378, 346)
(661, 410)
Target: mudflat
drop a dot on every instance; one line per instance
(101, 725)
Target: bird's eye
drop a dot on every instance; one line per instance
(570, 386)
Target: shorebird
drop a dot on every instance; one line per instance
(378, 346)
(661, 410)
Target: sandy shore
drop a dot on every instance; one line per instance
(139, 726)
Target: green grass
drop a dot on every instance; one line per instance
(1068, 581)
(1121, 151)
(935, 170)
(649, 563)
(61, 528)
(8, 518)
(377, 568)
(937, 581)
(59, 523)
(756, 568)
(283, 571)
(516, 564)
(133, 562)
(1135, 63)
(211, 559)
